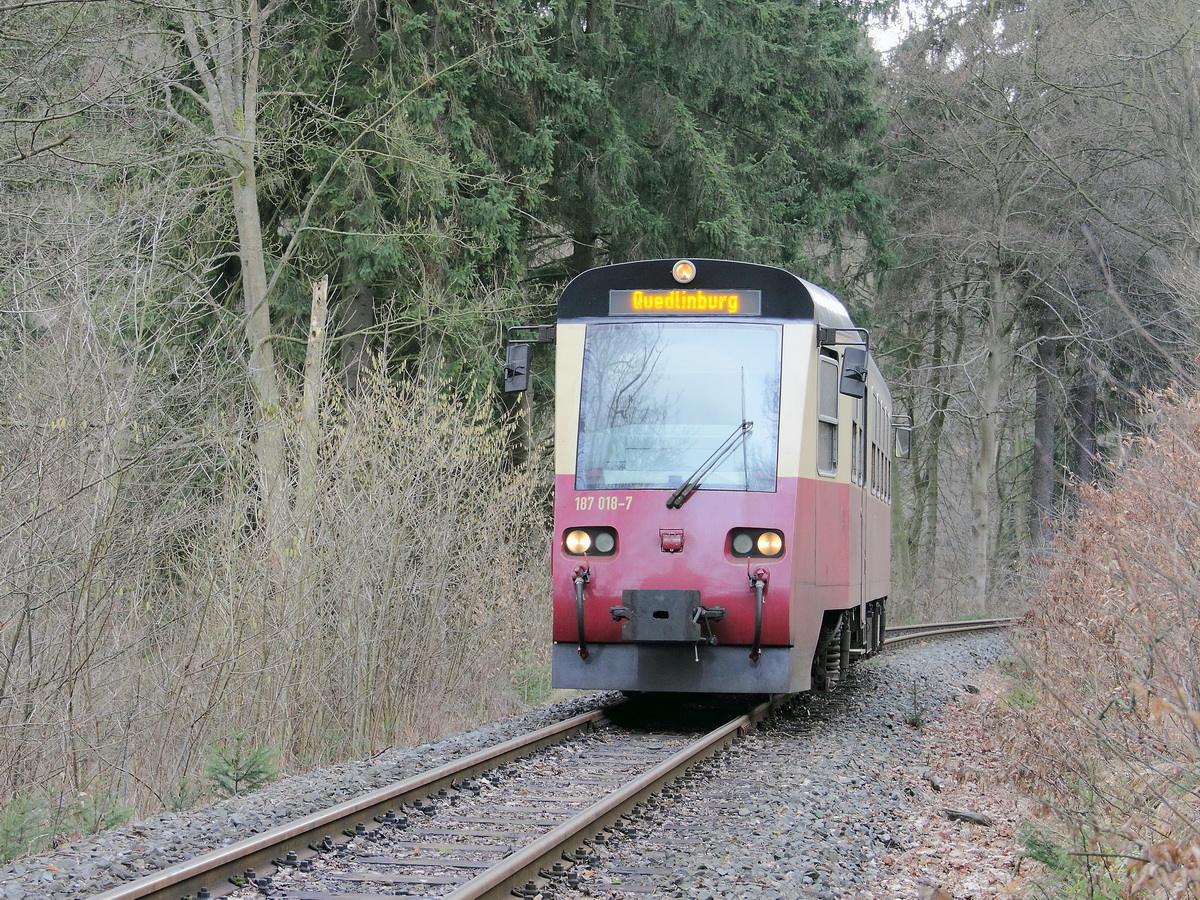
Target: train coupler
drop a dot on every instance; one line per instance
(704, 616)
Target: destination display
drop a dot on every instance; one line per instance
(684, 302)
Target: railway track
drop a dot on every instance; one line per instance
(480, 827)
(899, 634)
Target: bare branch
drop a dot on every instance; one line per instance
(34, 151)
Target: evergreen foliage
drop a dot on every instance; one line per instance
(235, 766)
(22, 825)
(450, 164)
(34, 821)
(722, 128)
(419, 164)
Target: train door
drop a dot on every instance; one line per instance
(858, 477)
(854, 386)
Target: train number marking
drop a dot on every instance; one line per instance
(605, 502)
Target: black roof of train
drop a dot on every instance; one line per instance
(784, 295)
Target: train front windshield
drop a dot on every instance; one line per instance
(660, 399)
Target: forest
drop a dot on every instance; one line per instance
(261, 497)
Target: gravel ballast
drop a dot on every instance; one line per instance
(807, 806)
(87, 867)
(810, 804)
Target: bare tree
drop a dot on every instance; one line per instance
(223, 41)
(1048, 181)
(965, 101)
(60, 81)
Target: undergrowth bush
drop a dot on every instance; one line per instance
(145, 617)
(1110, 732)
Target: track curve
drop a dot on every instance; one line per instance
(289, 848)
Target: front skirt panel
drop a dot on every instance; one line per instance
(680, 668)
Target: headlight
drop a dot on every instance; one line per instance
(757, 543)
(578, 542)
(598, 541)
(770, 543)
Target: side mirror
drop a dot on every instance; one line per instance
(854, 372)
(516, 368)
(902, 427)
(516, 353)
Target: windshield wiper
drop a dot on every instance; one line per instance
(685, 490)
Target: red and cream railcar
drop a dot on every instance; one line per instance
(723, 468)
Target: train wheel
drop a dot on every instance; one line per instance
(827, 661)
(874, 628)
(845, 633)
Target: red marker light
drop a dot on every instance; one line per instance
(671, 540)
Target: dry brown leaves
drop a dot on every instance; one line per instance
(1108, 727)
(955, 860)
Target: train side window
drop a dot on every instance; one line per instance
(880, 450)
(884, 428)
(875, 473)
(858, 452)
(828, 377)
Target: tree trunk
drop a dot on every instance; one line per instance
(364, 34)
(1042, 475)
(583, 253)
(270, 447)
(1083, 408)
(931, 469)
(225, 45)
(358, 318)
(999, 364)
(310, 429)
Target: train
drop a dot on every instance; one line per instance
(724, 446)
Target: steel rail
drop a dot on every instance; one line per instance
(516, 870)
(214, 869)
(898, 634)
